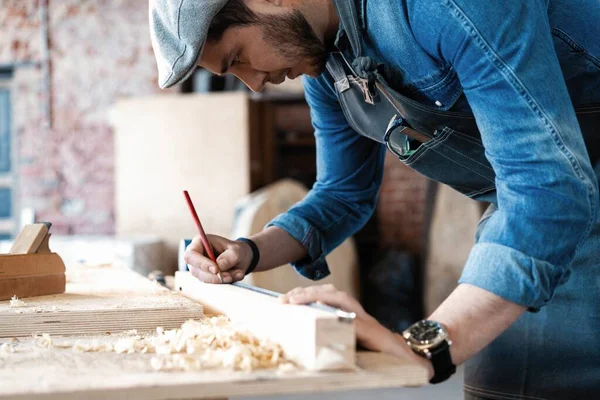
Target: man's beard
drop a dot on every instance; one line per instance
(294, 39)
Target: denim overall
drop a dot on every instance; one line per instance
(554, 353)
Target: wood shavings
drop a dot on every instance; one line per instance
(7, 348)
(62, 345)
(213, 343)
(15, 302)
(286, 368)
(208, 344)
(94, 346)
(44, 341)
(129, 345)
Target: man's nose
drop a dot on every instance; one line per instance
(253, 79)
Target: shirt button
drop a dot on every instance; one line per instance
(438, 103)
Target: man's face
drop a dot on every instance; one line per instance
(281, 44)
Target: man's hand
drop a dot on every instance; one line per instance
(233, 259)
(369, 333)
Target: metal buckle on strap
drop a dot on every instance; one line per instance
(401, 146)
(369, 96)
(342, 85)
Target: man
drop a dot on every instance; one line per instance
(475, 94)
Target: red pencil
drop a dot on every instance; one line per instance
(203, 237)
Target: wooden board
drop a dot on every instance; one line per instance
(165, 144)
(313, 338)
(260, 207)
(97, 300)
(41, 373)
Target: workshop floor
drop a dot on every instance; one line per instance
(450, 390)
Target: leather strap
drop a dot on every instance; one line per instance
(349, 18)
(442, 363)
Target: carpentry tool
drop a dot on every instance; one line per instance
(31, 269)
(203, 237)
(31, 238)
(341, 314)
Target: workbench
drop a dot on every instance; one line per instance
(41, 373)
(34, 372)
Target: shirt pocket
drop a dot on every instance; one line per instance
(441, 90)
(455, 159)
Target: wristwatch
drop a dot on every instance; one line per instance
(430, 339)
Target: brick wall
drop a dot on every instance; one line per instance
(99, 51)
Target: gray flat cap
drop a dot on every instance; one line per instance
(178, 31)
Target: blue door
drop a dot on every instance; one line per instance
(7, 219)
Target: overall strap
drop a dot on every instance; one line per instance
(349, 18)
(335, 66)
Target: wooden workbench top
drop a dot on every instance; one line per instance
(101, 300)
(34, 372)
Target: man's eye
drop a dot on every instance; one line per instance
(236, 60)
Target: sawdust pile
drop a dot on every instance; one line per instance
(7, 348)
(16, 302)
(198, 345)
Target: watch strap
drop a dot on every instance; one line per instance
(255, 254)
(443, 368)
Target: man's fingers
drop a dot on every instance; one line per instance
(197, 260)
(324, 294)
(311, 289)
(204, 276)
(228, 259)
(330, 298)
(237, 274)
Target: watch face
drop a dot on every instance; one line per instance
(426, 333)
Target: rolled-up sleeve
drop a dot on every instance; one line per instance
(349, 173)
(547, 195)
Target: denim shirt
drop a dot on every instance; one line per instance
(519, 66)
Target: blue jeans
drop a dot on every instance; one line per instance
(551, 354)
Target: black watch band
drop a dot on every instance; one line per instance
(255, 254)
(443, 368)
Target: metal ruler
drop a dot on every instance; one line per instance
(341, 314)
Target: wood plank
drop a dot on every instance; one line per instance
(42, 373)
(315, 339)
(97, 300)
